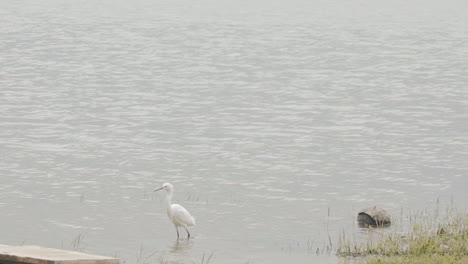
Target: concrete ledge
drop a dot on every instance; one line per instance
(40, 255)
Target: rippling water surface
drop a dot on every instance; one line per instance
(275, 120)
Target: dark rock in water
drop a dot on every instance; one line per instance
(373, 217)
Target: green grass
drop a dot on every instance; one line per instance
(77, 242)
(426, 259)
(431, 239)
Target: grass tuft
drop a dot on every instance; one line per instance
(431, 239)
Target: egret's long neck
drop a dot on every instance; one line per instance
(169, 198)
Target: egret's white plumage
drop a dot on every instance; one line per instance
(176, 213)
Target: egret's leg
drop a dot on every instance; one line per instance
(187, 232)
(177, 230)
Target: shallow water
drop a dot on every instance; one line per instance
(275, 121)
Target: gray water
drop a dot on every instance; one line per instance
(276, 121)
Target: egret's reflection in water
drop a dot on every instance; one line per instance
(179, 252)
(182, 247)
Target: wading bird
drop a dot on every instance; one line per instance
(176, 213)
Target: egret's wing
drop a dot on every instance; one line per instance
(181, 215)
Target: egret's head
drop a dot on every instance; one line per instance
(166, 186)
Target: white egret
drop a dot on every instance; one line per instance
(176, 213)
